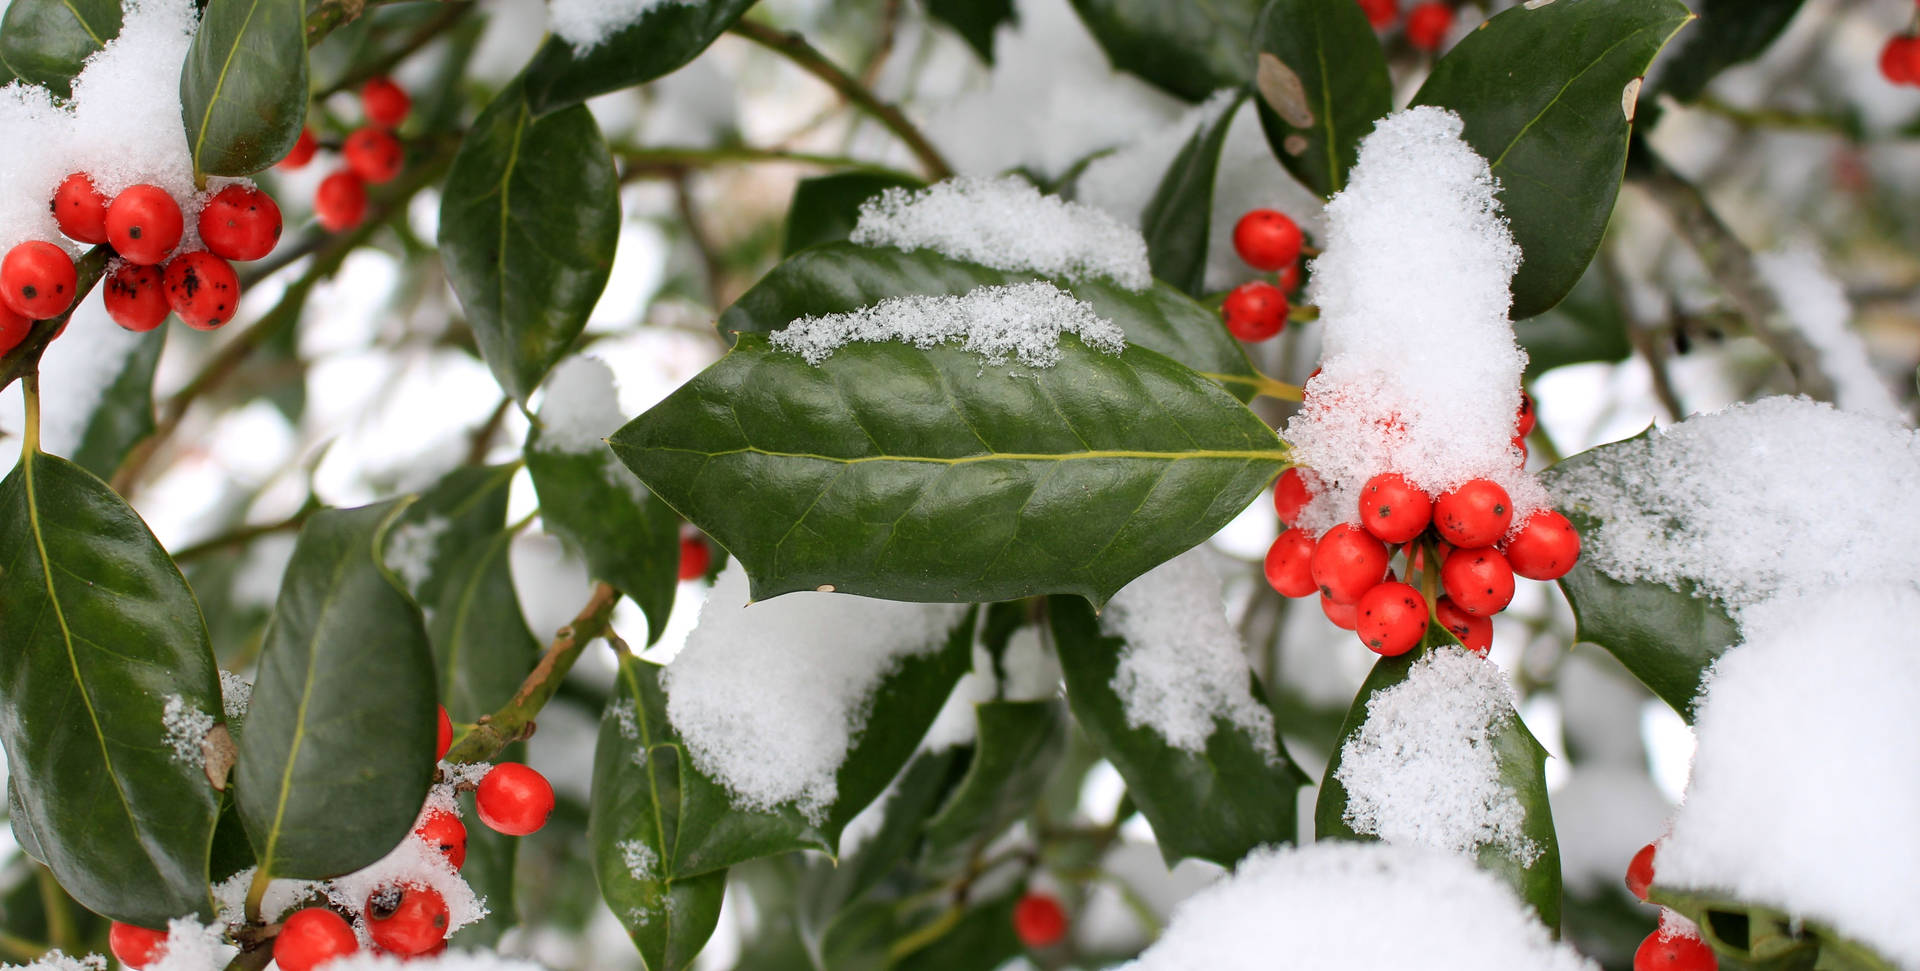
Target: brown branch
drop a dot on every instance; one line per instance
(482, 441)
(514, 720)
(245, 534)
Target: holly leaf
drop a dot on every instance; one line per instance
(826, 208)
(1178, 217)
(665, 38)
(975, 20)
(1189, 50)
(1586, 326)
(1016, 748)
(912, 799)
(1323, 82)
(1729, 32)
(101, 634)
(47, 42)
(1558, 143)
(243, 88)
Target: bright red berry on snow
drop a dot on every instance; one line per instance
(1392, 509)
(385, 102)
(443, 735)
(1381, 13)
(374, 154)
(1479, 580)
(1392, 619)
(1267, 239)
(341, 201)
(80, 209)
(38, 278)
(240, 223)
(1523, 421)
(1640, 872)
(1291, 494)
(1675, 953)
(1545, 547)
(1476, 514)
(13, 329)
(514, 799)
(203, 289)
(1900, 59)
(144, 224)
(302, 151)
(408, 920)
(312, 937)
(136, 947)
(1343, 616)
(1475, 633)
(695, 558)
(1348, 562)
(1288, 565)
(447, 835)
(1255, 311)
(1427, 25)
(136, 297)
(1040, 921)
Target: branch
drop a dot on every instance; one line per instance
(246, 534)
(514, 720)
(669, 160)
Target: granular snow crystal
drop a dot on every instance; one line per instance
(586, 24)
(56, 961)
(1023, 320)
(186, 729)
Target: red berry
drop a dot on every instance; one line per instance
(1255, 311)
(1348, 562)
(1291, 494)
(302, 151)
(14, 328)
(1427, 25)
(136, 297)
(374, 154)
(1545, 547)
(1288, 564)
(1523, 422)
(1290, 277)
(1392, 509)
(240, 223)
(1674, 953)
(514, 799)
(202, 289)
(443, 735)
(1479, 580)
(407, 920)
(1900, 59)
(444, 832)
(1476, 514)
(1392, 618)
(695, 558)
(1266, 239)
(1040, 921)
(136, 947)
(1344, 616)
(144, 224)
(1640, 872)
(38, 280)
(312, 937)
(341, 201)
(80, 209)
(1381, 13)
(385, 102)
(1475, 633)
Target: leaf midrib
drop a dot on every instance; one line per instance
(1237, 455)
(219, 84)
(82, 21)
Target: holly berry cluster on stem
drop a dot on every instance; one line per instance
(1271, 242)
(1426, 24)
(371, 155)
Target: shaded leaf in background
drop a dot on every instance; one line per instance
(1729, 32)
(827, 207)
(243, 88)
(1587, 326)
(123, 415)
(975, 20)
(1189, 50)
(984, 939)
(911, 799)
(1757, 938)
(1016, 748)
(1178, 218)
(46, 42)
(1323, 82)
(662, 41)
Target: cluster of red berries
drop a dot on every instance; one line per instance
(1268, 241)
(372, 153)
(1427, 23)
(1666, 949)
(1039, 920)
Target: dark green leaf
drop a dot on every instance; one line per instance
(662, 41)
(1014, 752)
(1587, 326)
(913, 798)
(1216, 805)
(232, 852)
(243, 89)
(100, 631)
(22, 826)
(841, 277)
(826, 208)
(1557, 143)
(908, 474)
(527, 229)
(1729, 32)
(984, 939)
(1323, 83)
(976, 20)
(46, 42)
(1757, 938)
(1178, 217)
(338, 749)
(1188, 49)
(123, 416)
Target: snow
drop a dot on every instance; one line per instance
(1420, 373)
(411, 548)
(450, 961)
(411, 864)
(56, 961)
(1007, 224)
(581, 407)
(192, 946)
(1809, 752)
(76, 371)
(282, 896)
(769, 697)
(1024, 320)
(186, 729)
(1183, 667)
(641, 861)
(586, 24)
(1816, 305)
(1323, 906)
(957, 725)
(1422, 770)
(236, 693)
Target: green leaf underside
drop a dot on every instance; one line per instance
(975, 20)
(913, 799)
(842, 277)
(1333, 50)
(629, 537)
(1189, 50)
(1729, 32)
(528, 225)
(123, 416)
(1015, 750)
(338, 749)
(826, 208)
(100, 628)
(1178, 217)
(1765, 939)
(1587, 326)
(243, 88)
(1558, 145)
(921, 475)
(1215, 805)
(1522, 761)
(46, 42)
(662, 41)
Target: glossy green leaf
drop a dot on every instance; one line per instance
(1729, 32)
(976, 20)
(243, 88)
(1558, 143)
(1323, 82)
(46, 42)
(1187, 49)
(1522, 760)
(528, 224)
(826, 208)
(1178, 218)
(662, 41)
(123, 415)
(1215, 805)
(100, 632)
(907, 474)
(338, 749)
(1015, 750)
(841, 277)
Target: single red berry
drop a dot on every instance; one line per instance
(240, 223)
(1900, 59)
(1381, 13)
(1674, 953)
(312, 937)
(385, 102)
(1267, 239)
(1344, 616)
(1524, 421)
(1040, 921)
(1348, 562)
(1476, 514)
(1392, 618)
(447, 835)
(443, 735)
(1427, 25)
(136, 947)
(341, 201)
(1290, 277)
(38, 280)
(1288, 565)
(14, 328)
(144, 224)
(1640, 872)
(1479, 580)
(1545, 547)
(136, 297)
(514, 799)
(1392, 509)
(302, 151)
(695, 558)
(407, 921)
(1475, 633)
(80, 209)
(1291, 494)
(374, 154)
(203, 289)
(1255, 311)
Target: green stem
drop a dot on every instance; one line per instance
(245, 534)
(514, 720)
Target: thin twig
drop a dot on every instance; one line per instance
(702, 243)
(482, 440)
(667, 160)
(449, 15)
(245, 534)
(514, 720)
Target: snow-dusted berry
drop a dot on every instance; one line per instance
(1475, 633)
(136, 947)
(1289, 564)
(1392, 509)
(1524, 420)
(1427, 25)
(695, 557)
(1267, 239)
(514, 799)
(302, 151)
(1392, 618)
(144, 224)
(446, 834)
(1476, 514)
(1545, 547)
(136, 297)
(374, 154)
(202, 289)
(240, 223)
(407, 920)
(1348, 562)
(310, 938)
(341, 201)
(1478, 580)
(1255, 311)
(385, 102)
(38, 280)
(1664, 951)
(1040, 921)
(80, 209)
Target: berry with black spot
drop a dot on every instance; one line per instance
(1040, 921)
(1347, 562)
(1476, 514)
(445, 834)
(144, 224)
(1291, 494)
(1267, 239)
(136, 947)
(1392, 618)
(514, 799)
(374, 154)
(202, 289)
(1545, 547)
(1288, 564)
(37, 280)
(302, 151)
(80, 209)
(1523, 421)
(385, 102)
(240, 223)
(136, 297)
(407, 920)
(1478, 579)
(1392, 509)
(1427, 25)
(1475, 633)
(310, 938)
(1255, 311)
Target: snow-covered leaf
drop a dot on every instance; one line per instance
(243, 89)
(661, 41)
(1324, 54)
